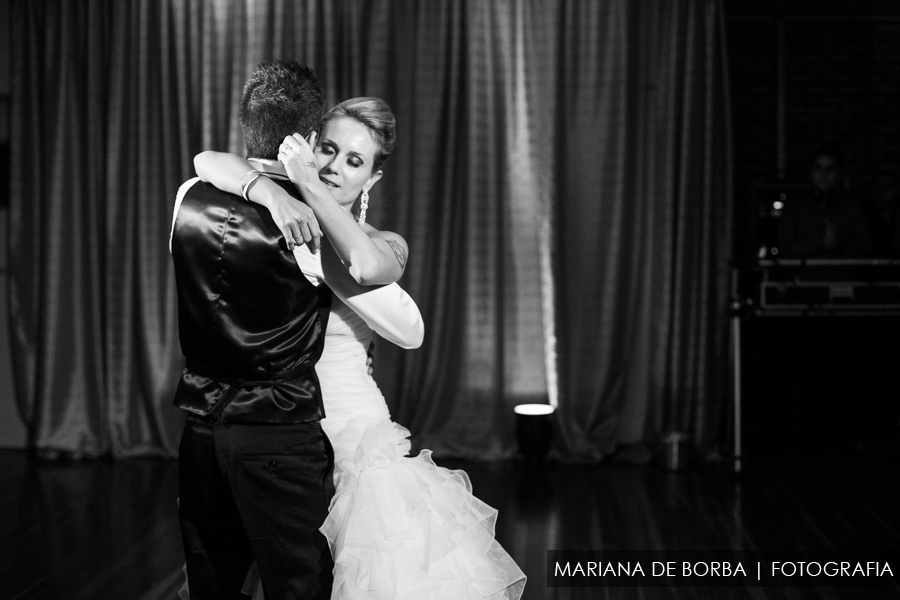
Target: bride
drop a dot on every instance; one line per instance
(398, 526)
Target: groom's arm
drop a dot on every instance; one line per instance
(179, 198)
(387, 309)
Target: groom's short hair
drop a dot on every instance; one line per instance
(280, 98)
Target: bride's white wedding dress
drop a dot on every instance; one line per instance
(399, 527)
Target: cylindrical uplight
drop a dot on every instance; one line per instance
(534, 429)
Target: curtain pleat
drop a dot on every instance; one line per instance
(644, 202)
(561, 175)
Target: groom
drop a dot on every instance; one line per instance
(255, 468)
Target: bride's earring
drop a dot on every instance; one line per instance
(363, 206)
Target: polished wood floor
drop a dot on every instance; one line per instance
(108, 529)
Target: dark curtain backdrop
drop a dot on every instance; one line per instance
(562, 176)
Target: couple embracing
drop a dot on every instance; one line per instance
(294, 481)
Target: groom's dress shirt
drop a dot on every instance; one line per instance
(250, 327)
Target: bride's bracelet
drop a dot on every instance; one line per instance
(247, 182)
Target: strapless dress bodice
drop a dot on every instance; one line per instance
(348, 391)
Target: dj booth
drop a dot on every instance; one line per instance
(807, 288)
(853, 287)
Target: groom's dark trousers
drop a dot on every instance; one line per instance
(255, 468)
(228, 473)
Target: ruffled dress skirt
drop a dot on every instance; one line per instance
(401, 527)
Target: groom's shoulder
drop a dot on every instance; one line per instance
(201, 196)
(195, 196)
(197, 188)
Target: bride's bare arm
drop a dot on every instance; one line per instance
(389, 241)
(371, 260)
(379, 258)
(296, 221)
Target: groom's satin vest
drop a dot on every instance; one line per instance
(251, 325)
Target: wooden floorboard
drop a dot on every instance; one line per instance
(96, 530)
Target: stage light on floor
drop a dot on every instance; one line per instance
(534, 429)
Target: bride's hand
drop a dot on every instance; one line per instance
(296, 221)
(296, 154)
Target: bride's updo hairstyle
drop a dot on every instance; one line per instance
(376, 115)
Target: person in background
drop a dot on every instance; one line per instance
(825, 222)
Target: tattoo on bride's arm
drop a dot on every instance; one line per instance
(399, 252)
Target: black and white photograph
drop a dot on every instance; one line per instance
(449, 299)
